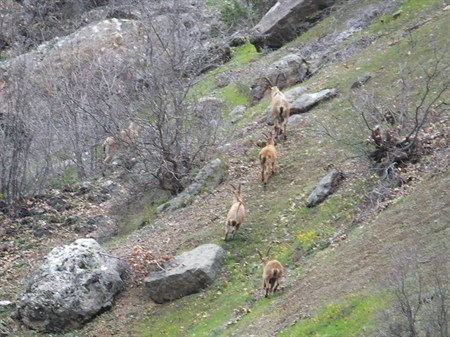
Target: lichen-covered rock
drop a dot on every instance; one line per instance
(74, 284)
(185, 274)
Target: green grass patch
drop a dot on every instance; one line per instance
(233, 95)
(67, 177)
(243, 54)
(348, 317)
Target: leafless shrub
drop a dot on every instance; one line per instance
(421, 303)
(400, 126)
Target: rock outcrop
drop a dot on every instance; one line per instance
(75, 283)
(285, 21)
(185, 274)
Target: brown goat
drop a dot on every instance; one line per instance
(280, 109)
(110, 147)
(130, 135)
(267, 158)
(236, 214)
(127, 140)
(272, 273)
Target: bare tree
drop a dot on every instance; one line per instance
(15, 141)
(175, 135)
(420, 304)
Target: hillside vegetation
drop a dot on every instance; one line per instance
(355, 259)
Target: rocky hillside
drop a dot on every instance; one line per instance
(370, 90)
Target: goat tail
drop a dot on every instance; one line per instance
(237, 209)
(263, 160)
(281, 115)
(274, 272)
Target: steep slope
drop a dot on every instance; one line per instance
(340, 249)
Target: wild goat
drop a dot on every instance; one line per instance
(267, 158)
(280, 109)
(110, 147)
(128, 138)
(272, 273)
(236, 214)
(130, 135)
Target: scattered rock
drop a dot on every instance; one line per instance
(40, 232)
(360, 81)
(108, 186)
(71, 220)
(37, 211)
(74, 284)
(85, 187)
(222, 80)
(57, 203)
(185, 274)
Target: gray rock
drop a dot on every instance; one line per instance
(57, 203)
(37, 211)
(327, 185)
(308, 101)
(185, 274)
(74, 284)
(85, 187)
(285, 21)
(108, 186)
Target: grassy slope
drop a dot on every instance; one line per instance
(343, 280)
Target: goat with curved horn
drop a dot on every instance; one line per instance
(280, 108)
(267, 158)
(236, 214)
(272, 273)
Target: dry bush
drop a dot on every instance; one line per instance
(421, 302)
